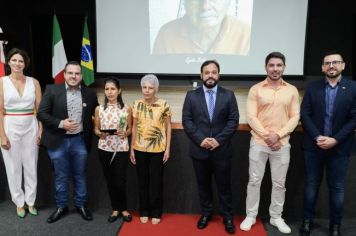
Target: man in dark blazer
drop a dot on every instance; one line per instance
(66, 112)
(328, 115)
(210, 118)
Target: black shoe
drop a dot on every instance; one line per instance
(334, 230)
(57, 214)
(203, 222)
(85, 213)
(306, 227)
(127, 218)
(229, 226)
(112, 218)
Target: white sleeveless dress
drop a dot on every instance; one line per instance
(21, 127)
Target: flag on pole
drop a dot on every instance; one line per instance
(2, 57)
(59, 58)
(86, 59)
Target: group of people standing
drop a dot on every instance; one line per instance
(149, 124)
(210, 118)
(62, 121)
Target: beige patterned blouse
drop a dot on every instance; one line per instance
(150, 125)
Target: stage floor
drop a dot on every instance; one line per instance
(73, 224)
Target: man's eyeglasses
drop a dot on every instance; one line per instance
(335, 63)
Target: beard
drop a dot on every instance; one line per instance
(275, 76)
(208, 84)
(333, 75)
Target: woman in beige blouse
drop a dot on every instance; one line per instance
(150, 146)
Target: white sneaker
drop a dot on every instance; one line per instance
(247, 223)
(281, 225)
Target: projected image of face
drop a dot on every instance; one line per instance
(206, 13)
(210, 75)
(205, 26)
(275, 68)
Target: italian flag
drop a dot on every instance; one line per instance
(2, 58)
(59, 58)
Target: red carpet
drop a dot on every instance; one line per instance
(185, 225)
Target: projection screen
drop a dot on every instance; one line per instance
(176, 36)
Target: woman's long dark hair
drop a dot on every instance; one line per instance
(115, 81)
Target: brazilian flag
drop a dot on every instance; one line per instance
(86, 59)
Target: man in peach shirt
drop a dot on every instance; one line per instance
(273, 111)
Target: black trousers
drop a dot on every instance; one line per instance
(221, 170)
(115, 175)
(149, 167)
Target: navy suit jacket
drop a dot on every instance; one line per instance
(344, 115)
(53, 109)
(197, 125)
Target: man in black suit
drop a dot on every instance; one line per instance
(328, 115)
(210, 118)
(66, 112)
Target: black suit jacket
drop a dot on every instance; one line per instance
(344, 115)
(198, 126)
(53, 109)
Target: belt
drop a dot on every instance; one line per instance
(19, 112)
(74, 135)
(12, 114)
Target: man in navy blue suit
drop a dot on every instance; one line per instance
(328, 116)
(210, 118)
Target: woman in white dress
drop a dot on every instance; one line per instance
(20, 132)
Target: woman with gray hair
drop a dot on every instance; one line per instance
(150, 145)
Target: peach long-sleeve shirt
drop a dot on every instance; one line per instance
(272, 109)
